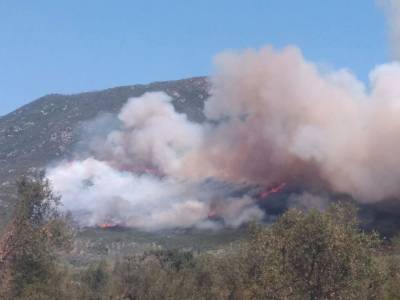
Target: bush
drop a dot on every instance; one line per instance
(303, 256)
(28, 248)
(311, 255)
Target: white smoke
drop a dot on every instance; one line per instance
(283, 119)
(133, 175)
(277, 118)
(307, 201)
(152, 134)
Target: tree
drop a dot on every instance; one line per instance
(315, 256)
(95, 282)
(35, 234)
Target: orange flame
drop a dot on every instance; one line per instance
(273, 190)
(107, 225)
(215, 210)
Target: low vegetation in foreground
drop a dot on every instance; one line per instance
(304, 255)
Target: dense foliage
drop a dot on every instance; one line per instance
(29, 246)
(304, 255)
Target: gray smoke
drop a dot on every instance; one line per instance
(132, 175)
(276, 118)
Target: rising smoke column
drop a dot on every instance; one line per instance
(281, 119)
(273, 118)
(133, 175)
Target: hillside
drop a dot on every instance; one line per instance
(46, 129)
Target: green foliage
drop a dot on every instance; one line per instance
(304, 255)
(174, 259)
(391, 259)
(315, 256)
(29, 246)
(95, 282)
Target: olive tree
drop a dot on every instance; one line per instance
(29, 246)
(315, 255)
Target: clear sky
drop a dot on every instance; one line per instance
(69, 46)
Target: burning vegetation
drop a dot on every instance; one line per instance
(305, 255)
(272, 118)
(273, 190)
(107, 225)
(282, 140)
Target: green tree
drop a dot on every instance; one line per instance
(96, 282)
(29, 246)
(304, 255)
(315, 256)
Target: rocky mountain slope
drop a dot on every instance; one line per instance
(46, 129)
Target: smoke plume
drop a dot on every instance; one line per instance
(133, 175)
(273, 118)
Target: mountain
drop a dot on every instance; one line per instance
(47, 129)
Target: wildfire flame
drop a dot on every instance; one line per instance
(215, 209)
(273, 190)
(107, 225)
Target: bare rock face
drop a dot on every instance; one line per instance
(46, 129)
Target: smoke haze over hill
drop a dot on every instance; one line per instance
(272, 116)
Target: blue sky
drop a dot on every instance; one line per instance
(70, 46)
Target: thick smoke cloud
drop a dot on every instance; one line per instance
(132, 175)
(284, 120)
(272, 116)
(153, 135)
